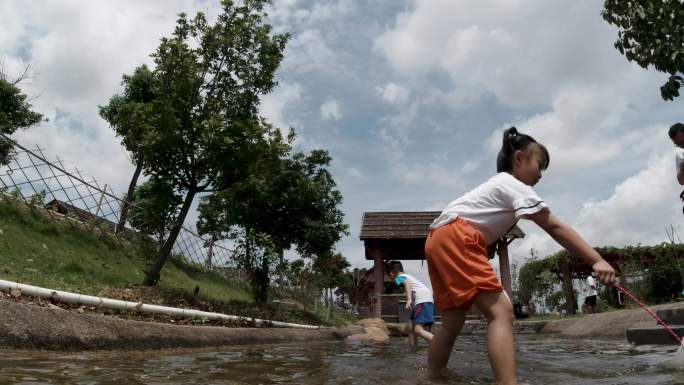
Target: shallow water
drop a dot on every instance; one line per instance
(541, 360)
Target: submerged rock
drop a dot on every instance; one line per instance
(370, 334)
(397, 330)
(377, 322)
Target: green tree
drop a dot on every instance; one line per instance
(155, 209)
(130, 116)
(204, 132)
(292, 197)
(331, 268)
(257, 255)
(15, 112)
(651, 33)
(663, 279)
(535, 280)
(356, 287)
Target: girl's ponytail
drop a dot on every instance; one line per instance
(512, 142)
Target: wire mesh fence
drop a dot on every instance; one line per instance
(70, 195)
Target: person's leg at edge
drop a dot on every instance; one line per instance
(443, 342)
(500, 344)
(422, 333)
(413, 340)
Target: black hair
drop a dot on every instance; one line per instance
(395, 267)
(674, 129)
(512, 142)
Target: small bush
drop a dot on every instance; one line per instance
(663, 279)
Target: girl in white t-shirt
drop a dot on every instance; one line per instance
(456, 251)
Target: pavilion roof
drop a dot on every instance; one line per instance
(406, 225)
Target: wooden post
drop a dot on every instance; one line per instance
(97, 211)
(210, 253)
(505, 268)
(378, 282)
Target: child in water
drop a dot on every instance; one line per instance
(456, 251)
(418, 300)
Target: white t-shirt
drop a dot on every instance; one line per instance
(420, 292)
(679, 158)
(493, 207)
(591, 286)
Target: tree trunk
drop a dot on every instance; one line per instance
(263, 281)
(129, 198)
(152, 276)
(210, 253)
(329, 301)
(317, 299)
(570, 305)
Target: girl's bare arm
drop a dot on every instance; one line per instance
(567, 237)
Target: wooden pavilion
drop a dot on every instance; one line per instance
(401, 236)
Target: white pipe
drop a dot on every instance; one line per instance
(89, 300)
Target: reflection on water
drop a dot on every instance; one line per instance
(541, 360)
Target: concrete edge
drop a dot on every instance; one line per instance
(24, 326)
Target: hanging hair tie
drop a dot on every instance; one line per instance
(512, 132)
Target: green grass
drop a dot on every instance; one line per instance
(37, 250)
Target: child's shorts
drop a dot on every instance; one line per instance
(423, 313)
(458, 265)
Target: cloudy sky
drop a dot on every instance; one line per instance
(410, 98)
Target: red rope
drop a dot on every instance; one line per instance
(660, 322)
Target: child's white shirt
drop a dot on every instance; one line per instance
(679, 158)
(591, 286)
(420, 292)
(493, 207)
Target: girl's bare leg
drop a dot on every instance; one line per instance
(500, 344)
(443, 342)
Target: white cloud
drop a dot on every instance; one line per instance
(275, 106)
(78, 52)
(308, 52)
(331, 10)
(330, 110)
(496, 47)
(639, 210)
(393, 93)
(585, 128)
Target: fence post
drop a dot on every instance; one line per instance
(97, 209)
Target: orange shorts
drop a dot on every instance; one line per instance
(458, 265)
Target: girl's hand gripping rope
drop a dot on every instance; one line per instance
(604, 272)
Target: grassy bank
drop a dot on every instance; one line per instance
(37, 250)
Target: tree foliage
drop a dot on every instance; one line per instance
(256, 253)
(204, 132)
(130, 115)
(651, 33)
(332, 270)
(356, 287)
(663, 279)
(289, 196)
(655, 270)
(536, 280)
(155, 208)
(15, 113)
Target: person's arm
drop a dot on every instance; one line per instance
(680, 173)
(407, 289)
(571, 241)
